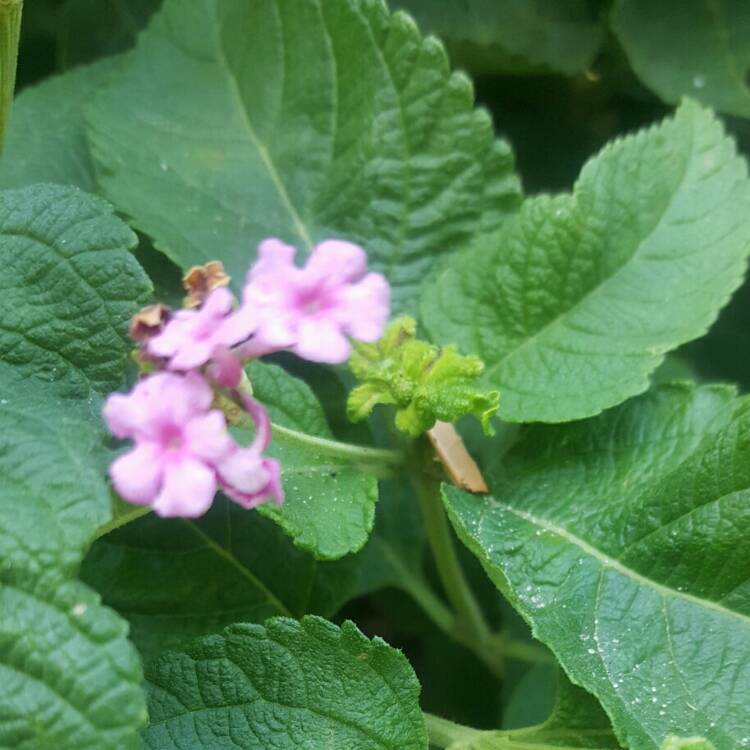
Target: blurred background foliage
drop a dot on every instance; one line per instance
(561, 78)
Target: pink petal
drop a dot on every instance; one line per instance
(366, 307)
(218, 303)
(242, 471)
(174, 335)
(274, 256)
(225, 368)
(191, 354)
(270, 490)
(206, 437)
(137, 474)
(275, 489)
(188, 490)
(124, 414)
(320, 340)
(190, 394)
(262, 422)
(238, 327)
(336, 262)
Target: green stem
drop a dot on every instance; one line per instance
(443, 733)
(358, 454)
(470, 627)
(10, 31)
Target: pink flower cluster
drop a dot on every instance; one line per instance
(183, 452)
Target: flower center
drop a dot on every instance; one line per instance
(172, 439)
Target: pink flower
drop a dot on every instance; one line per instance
(178, 441)
(312, 310)
(247, 477)
(183, 451)
(193, 337)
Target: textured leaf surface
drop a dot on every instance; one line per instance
(68, 287)
(696, 47)
(68, 676)
(300, 686)
(230, 566)
(330, 503)
(303, 121)
(46, 139)
(513, 36)
(623, 541)
(69, 679)
(575, 301)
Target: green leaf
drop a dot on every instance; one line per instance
(231, 565)
(576, 721)
(286, 685)
(425, 382)
(695, 47)
(46, 139)
(231, 143)
(330, 503)
(686, 743)
(68, 287)
(53, 495)
(69, 679)
(577, 299)
(513, 36)
(622, 540)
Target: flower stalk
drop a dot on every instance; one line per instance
(10, 32)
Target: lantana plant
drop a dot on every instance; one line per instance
(372, 375)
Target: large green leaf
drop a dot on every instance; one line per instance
(513, 36)
(68, 677)
(304, 121)
(288, 685)
(230, 566)
(46, 140)
(623, 541)
(330, 502)
(69, 286)
(695, 47)
(576, 300)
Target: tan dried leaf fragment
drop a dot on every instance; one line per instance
(148, 322)
(458, 463)
(200, 281)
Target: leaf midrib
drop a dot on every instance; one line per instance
(614, 564)
(263, 152)
(242, 569)
(497, 365)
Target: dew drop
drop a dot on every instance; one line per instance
(699, 81)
